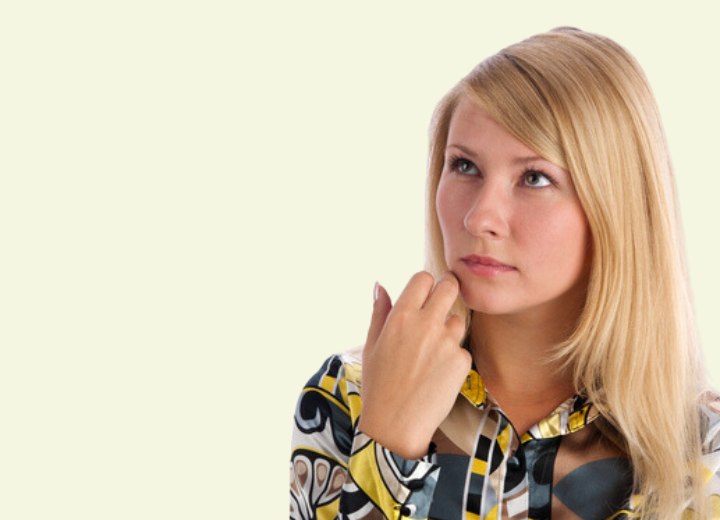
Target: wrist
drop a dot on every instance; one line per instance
(397, 438)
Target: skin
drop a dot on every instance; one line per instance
(496, 199)
(413, 339)
(525, 213)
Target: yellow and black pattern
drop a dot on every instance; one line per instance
(477, 467)
(337, 471)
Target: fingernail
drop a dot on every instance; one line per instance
(376, 292)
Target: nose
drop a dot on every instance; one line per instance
(488, 215)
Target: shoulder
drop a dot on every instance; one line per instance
(337, 383)
(342, 368)
(710, 437)
(323, 434)
(710, 422)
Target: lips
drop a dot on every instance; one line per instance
(486, 265)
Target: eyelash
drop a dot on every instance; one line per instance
(456, 160)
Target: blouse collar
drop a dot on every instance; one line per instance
(570, 416)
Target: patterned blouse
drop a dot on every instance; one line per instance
(478, 467)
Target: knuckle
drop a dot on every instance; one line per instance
(464, 360)
(456, 325)
(398, 317)
(467, 360)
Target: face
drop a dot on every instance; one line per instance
(513, 229)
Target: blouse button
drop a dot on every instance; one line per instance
(415, 484)
(513, 463)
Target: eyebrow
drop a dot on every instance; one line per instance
(516, 160)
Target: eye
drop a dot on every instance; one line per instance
(463, 166)
(536, 179)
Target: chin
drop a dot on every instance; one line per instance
(487, 304)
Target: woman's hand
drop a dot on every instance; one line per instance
(413, 364)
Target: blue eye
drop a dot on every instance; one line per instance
(464, 166)
(536, 179)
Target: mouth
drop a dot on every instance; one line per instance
(486, 266)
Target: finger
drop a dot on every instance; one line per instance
(416, 291)
(443, 295)
(464, 361)
(381, 307)
(456, 327)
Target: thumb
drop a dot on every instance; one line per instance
(381, 308)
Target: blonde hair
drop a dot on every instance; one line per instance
(582, 102)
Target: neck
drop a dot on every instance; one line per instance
(512, 355)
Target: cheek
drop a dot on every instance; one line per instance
(446, 210)
(448, 207)
(442, 205)
(560, 239)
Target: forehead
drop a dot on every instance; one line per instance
(471, 126)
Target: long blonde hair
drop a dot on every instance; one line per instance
(582, 102)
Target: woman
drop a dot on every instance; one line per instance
(546, 364)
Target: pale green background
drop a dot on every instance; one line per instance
(197, 198)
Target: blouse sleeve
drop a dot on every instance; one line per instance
(336, 471)
(710, 416)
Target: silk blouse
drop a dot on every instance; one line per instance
(477, 467)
